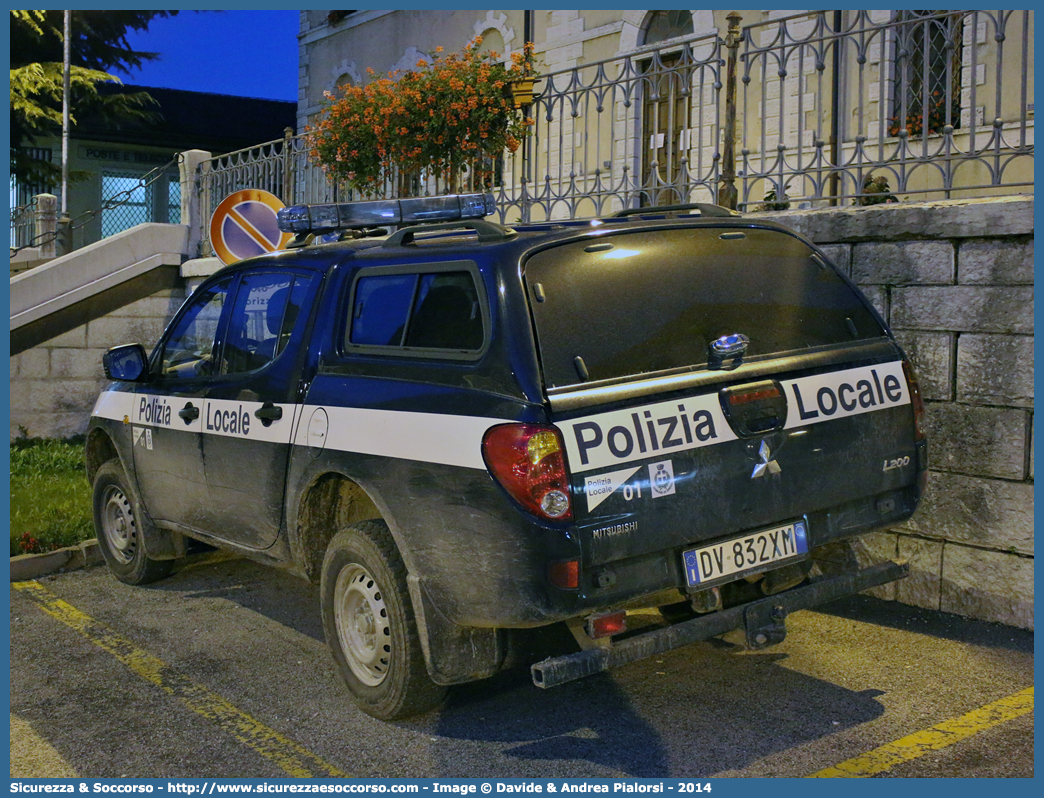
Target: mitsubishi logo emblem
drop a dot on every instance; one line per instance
(767, 464)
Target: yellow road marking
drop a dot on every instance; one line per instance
(32, 757)
(940, 736)
(288, 755)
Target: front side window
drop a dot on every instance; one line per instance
(416, 311)
(265, 311)
(190, 348)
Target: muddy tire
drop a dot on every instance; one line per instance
(370, 626)
(119, 532)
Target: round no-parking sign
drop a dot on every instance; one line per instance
(244, 225)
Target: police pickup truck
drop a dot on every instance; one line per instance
(462, 429)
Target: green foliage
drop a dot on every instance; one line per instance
(34, 84)
(98, 45)
(50, 496)
(875, 191)
(774, 203)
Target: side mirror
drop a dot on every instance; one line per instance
(127, 363)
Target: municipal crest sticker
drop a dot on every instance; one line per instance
(661, 479)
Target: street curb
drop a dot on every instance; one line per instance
(72, 558)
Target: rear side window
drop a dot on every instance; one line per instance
(406, 312)
(654, 301)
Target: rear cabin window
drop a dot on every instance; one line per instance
(654, 301)
(432, 311)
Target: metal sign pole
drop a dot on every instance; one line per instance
(64, 232)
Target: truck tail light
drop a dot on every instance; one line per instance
(528, 461)
(915, 400)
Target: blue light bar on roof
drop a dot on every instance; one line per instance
(374, 213)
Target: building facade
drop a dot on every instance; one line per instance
(632, 106)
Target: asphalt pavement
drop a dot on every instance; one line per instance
(222, 671)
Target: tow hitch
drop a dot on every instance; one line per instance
(763, 621)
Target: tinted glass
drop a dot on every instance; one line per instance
(447, 313)
(382, 306)
(189, 350)
(656, 300)
(438, 310)
(266, 308)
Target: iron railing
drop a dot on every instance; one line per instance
(939, 104)
(923, 105)
(23, 225)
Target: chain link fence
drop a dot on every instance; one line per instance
(124, 195)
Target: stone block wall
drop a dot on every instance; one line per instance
(955, 282)
(54, 385)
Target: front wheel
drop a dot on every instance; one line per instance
(119, 531)
(370, 627)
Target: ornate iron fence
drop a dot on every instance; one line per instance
(831, 108)
(641, 129)
(923, 105)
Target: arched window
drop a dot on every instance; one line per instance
(666, 110)
(663, 25)
(345, 81)
(492, 41)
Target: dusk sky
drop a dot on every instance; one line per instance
(244, 53)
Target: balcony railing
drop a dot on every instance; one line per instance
(830, 108)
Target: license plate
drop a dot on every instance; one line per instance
(745, 554)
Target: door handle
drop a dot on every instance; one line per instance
(189, 413)
(268, 413)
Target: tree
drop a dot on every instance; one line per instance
(99, 44)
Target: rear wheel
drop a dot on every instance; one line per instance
(119, 532)
(370, 627)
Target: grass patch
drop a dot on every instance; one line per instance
(50, 495)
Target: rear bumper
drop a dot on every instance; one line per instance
(763, 621)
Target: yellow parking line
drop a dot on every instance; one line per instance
(288, 755)
(940, 736)
(32, 757)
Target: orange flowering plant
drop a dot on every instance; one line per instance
(915, 123)
(447, 116)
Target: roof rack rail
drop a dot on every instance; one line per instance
(705, 209)
(486, 231)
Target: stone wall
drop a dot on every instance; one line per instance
(955, 282)
(54, 385)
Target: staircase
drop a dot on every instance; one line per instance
(74, 289)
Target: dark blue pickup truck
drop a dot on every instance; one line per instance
(461, 429)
